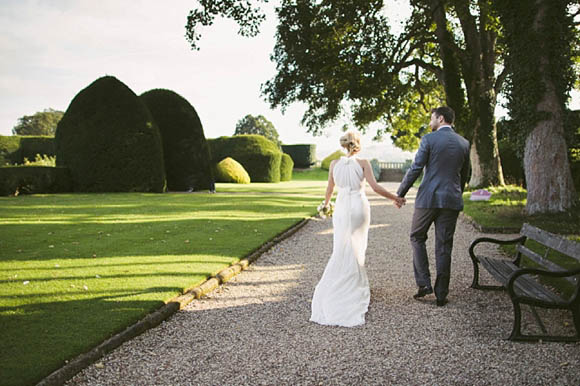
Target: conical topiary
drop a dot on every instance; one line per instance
(109, 141)
(185, 150)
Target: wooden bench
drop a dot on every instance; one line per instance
(522, 283)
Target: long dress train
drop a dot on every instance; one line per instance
(342, 296)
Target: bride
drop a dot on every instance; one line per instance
(342, 296)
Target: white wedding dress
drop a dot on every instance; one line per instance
(342, 296)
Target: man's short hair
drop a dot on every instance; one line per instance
(447, 113)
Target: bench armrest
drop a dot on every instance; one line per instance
(537, 271)
(519, 240)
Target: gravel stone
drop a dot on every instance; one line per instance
(254, 329)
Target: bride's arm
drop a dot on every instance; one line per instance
(370, 177)
(330, 186)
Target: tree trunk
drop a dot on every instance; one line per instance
(485, 161)
(548, 177)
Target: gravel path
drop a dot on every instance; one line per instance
(255, 329)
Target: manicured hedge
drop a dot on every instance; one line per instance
(10, 150)
(260, 157)
(286, 166)
(30, 146)
(230, 170)
(326, 162)
(304, 156)
(16, 180)
(185, 149)
(109, 141)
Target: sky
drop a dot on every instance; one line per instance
(52, 49)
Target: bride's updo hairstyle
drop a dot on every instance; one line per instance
(351, 141)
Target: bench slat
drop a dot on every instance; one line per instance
(551, 266)
(525, 285)
(556, 242)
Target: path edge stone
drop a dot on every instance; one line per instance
(74, 366)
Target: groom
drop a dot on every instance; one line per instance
(444, 156)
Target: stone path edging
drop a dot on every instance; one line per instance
(71, 368)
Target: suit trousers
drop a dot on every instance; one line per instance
(445, 222)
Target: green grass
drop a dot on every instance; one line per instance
(314, 174)
(75, 269)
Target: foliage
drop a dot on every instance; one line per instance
(230, 170)
(109, 141)
(257, 125)
(304, 156)
(185, 149)
(40, 123)
(34, 179)
(331, 157)
(558, 39)
(61, 243)
(40, 160)
(10, 150)
(286, 166)
(363, 73)
(260, 157)
(376, 168)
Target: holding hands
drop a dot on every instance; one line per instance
(400, 201)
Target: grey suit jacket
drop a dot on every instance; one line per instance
(444, 156)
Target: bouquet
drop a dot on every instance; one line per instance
(325, 211)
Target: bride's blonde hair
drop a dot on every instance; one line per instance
(351, 141)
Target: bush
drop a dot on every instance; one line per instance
(326, 162)
(185, 149)
(10, 150)
(31, 146)
(513, 170)
(259, 156)
(304, 156)
(16, 180)
(109, 141)
(286, 166)
(376, 168)
(230, 170)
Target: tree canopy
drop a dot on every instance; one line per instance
(257, 125)
(40, 123)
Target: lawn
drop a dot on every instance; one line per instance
(77, 268)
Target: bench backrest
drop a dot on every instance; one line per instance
(552, 242)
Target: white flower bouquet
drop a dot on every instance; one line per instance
(325, 211)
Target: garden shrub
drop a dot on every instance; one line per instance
(185, 149)
(31, 146)
(230, 170)
(109, 141)
(10, 150)
(304, 156)
(259, 156)
(16, 180)
(326, 162)
(286, 166)
(376, 168)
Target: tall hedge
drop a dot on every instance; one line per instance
(260, 157)
(10, 150)
(185, 149)
(15, 180)
(331, 157)
(109, 141)
(304, 156)
(14, 148)
(286, 166)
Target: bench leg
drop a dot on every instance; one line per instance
(576, 317)
(475, 283)
(516, 330)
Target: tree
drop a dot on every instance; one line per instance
(541, 74)
(257, 125)
(340, 57)
(40, 123)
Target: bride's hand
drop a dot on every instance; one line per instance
(400, 201)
